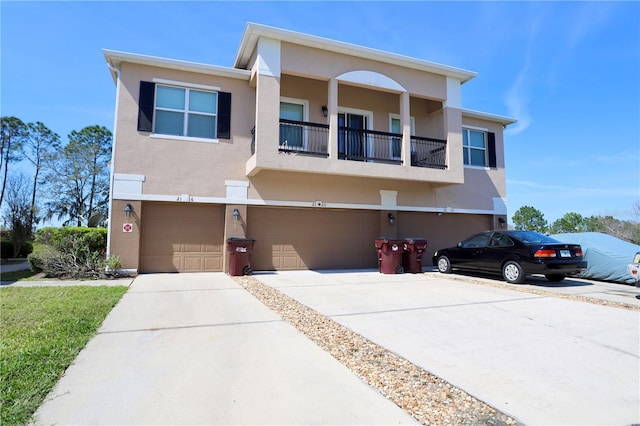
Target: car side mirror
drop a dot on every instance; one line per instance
(459, 244)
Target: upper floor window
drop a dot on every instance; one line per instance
(185, 112)
(474, 147)
(191, 111)
(292, 135)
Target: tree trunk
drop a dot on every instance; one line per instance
(6, 169)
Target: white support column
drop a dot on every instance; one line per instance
(405, 118)
(333, 118)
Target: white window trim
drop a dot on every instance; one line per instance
(303, 102)
(186, 112)
(182, 138)
(486, 148)
(412, 119)
(305, 118)
(368, 114)
(482, 129)
(186, 85)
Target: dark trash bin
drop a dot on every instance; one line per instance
(390, 255)
(239, 250)
(412, 256)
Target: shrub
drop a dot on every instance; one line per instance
(95, 238)
(71, 252)
(6, 248)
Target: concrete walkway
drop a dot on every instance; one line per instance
(199, 349)
(540, 359)
(12, 267)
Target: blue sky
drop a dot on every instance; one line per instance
(568, 71)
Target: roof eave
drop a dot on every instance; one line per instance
(254, 31)
(502, 119)
(115, 59)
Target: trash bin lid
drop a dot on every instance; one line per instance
(239, 240)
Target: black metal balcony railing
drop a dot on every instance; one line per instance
(358, 144)
(428, 152)
(304, 138)
(369, 145)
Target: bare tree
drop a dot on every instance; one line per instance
(12, 134)
(17, 211)
(38, 148)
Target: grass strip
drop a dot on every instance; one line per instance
(42, 330)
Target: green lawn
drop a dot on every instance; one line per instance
(42, 329)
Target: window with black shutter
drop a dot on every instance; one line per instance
(491, 149)
(184, 111)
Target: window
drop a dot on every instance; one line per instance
(394, 127)
(184, 111)
(500, 240)
(478, 240)
(479, 148)
(474, 147)
(291, 134)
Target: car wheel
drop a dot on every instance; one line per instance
(444, 265)
(512, 272)
(555, 277)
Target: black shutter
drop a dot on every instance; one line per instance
(224, 115)
(491, 145)
(145, 106)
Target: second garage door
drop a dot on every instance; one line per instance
(182, 237)
(312, 239)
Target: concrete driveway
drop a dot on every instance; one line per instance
(542, 359)
(198, 349)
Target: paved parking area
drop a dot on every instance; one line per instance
(540, 359)
(197, 349)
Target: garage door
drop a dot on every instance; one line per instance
(440, 231)
(181, 237)
(312, 239)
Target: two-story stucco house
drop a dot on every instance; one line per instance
(310, 146)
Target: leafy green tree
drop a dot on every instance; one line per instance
(12, 134)
(38, 148)
(528, 218)
(77, 178)
(570, 222)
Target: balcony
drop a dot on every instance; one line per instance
(360, 145)
(305, 147)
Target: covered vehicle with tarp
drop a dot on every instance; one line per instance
(607, 257)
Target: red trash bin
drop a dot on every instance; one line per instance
(390, 255)
(412, 256)
(239, 250)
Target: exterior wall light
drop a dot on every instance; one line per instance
(325, 111)
(127, 211)
(501, 221)
(236, 215)
(392, 218)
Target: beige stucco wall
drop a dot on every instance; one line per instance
(180, 166)
(305, 61)
(201, 169)
(126, 245)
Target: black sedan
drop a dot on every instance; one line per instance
(514, 254)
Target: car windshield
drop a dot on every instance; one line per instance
(530, 237)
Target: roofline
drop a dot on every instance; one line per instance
(115, 58)
(254, 31)
(502, 119)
